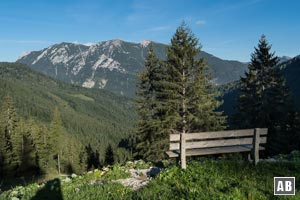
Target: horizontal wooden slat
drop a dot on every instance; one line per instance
(263, 131)
(214, 150)
(218, 134)
(217, 143)
(175, 137)
(172, 154)
(215, 134)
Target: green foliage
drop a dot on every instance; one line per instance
(294, 156)
(291, 71)
(9, 139)
(209, 179)
(138, 164)
(150, 136)
(175, 95)
(48, 108)
(109, 155)
(116, 172)
(264, 98)
(203, 179)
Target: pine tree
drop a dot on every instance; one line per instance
(148, 105)
(42, 145)
(203, 103)
(175, 96)
(56, 139)
(9, 161)
(190, 99)
(109, 155)
(264, 99)
(26, 148)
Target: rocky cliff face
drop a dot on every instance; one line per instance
(113, 64)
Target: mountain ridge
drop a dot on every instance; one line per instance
(113, 64)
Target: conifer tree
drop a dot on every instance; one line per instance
(264, 99)
(109, 155)
(26, 148)
(175, 96)
(190, 99)
(56, 139)
(149, 138)
(42, 146)
(9, 161)
(203, 103)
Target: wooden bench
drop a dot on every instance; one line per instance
(219, 142)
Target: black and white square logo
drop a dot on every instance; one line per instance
(284, 185)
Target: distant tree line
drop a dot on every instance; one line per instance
(29, 148)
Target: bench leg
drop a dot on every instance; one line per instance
(256, 145)
(183, 163)
(182, 151)
(249, 157)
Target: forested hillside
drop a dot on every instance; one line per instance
(91, 118)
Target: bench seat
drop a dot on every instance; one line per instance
(217, 142)
(213, 150)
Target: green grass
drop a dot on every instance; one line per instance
(210, 179)
(83, 97)
(203, 179)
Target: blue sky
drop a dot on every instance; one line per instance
(228, 29)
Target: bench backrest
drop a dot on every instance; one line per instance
(219, 138)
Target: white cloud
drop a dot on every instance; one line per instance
(159, 28)
(200, 22)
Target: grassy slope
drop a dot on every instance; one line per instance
(93, 116)
(204, 179)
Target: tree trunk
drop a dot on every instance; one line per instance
(58, 164)
(182, 138)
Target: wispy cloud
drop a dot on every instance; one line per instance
(159, 28)
(26, 41)
(200, 22)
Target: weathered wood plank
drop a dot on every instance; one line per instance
(218, 134)
(173, 154)
(214, 150)
(216, 143)
(263, 131)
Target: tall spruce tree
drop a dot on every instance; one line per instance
(190, 99)
(264, 99)
(175, 96)
(26, 148)
(56, 139)
(42, 145)
(109, 155)
(149, 137)
(9, 161)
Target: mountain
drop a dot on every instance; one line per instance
(93, 116)
(283, 59)
(112, 65)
